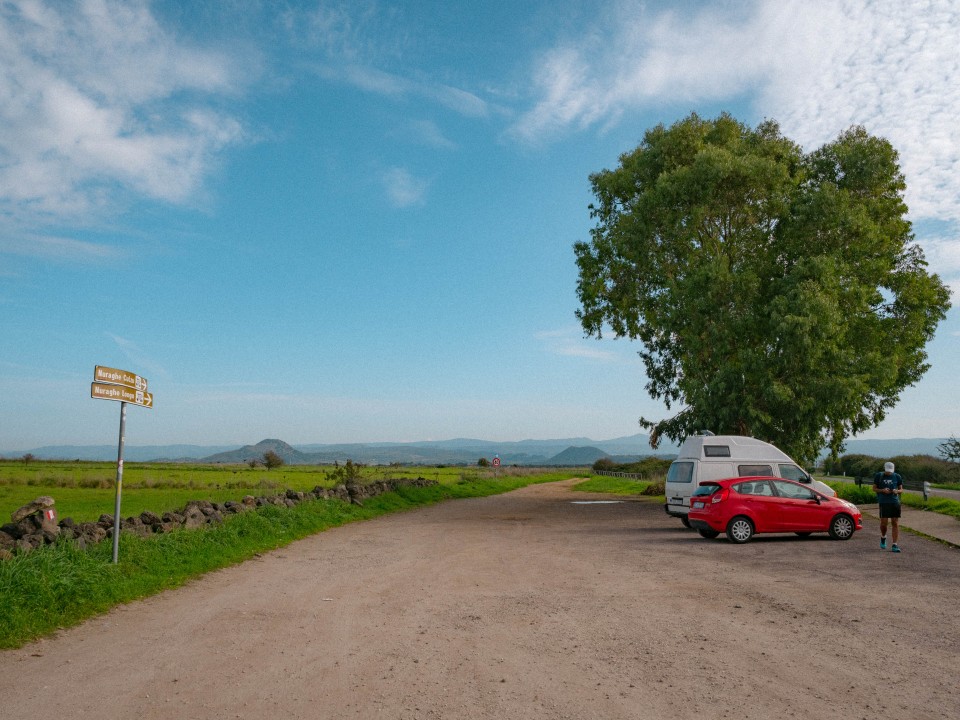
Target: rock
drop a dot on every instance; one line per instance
(41, 503)
(50, 536)
(67, 522)
(295, 495)
(5, 554)
(29, 543)
(28, 526)
(249, 501)
(150, 518)
(137, 529)
(7, 541)
(194, 519)
(105, 521)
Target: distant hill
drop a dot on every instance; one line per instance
(131, 453)
(577, 456)
(290, 455)
(461, 451)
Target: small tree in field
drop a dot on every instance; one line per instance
(950, 449)
(483, 462)
(272, 460)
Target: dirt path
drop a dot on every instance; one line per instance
(522, 605)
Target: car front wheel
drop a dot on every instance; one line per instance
(740, 529)
(707, 533)
(842, 527)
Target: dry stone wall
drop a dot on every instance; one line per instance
(35, 524)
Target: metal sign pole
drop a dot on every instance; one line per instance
(116, 506)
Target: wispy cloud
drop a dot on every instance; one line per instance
(352, 43)
(96, 95)
(143, 363)
(404, 189)
(59, 248)
(816, 67)
(568, 342)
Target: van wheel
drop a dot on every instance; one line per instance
(707, 533)
(740, 529)
(685, 520)
(841, 527)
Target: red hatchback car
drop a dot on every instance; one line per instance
(743, 506)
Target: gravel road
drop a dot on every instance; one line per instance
(523, 605)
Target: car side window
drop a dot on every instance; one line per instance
(762, 470)
(792, 472)
(789, 490)
(757, 487)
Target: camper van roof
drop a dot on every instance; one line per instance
(740, 447)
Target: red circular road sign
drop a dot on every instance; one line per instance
(496, 462)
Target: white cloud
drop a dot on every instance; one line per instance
(95, 94)
(404, 189)
(816, 67)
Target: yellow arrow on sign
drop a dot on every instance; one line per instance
(120, 393)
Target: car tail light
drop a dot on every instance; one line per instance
(720, 495)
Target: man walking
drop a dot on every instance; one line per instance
(888, 486)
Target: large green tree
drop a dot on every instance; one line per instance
(775, 293)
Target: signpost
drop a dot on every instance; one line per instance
(124, 387)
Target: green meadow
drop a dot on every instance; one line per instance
(86, 490)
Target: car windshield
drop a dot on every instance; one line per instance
(706, 489)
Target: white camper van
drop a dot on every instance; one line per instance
(714, 457)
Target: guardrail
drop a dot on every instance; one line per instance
(918, 485)
(628, 476)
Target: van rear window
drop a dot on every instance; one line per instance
(716, 451)
(680, 472)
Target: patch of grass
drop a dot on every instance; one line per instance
(622, 486)
(59, 585)
(944, 506)
(857, 494)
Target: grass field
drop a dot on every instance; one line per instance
(86, 490)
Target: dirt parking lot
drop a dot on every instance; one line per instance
(524, 605)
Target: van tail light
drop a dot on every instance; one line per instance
(721, 495)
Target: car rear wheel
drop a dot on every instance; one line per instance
(707, 533)
(685, 520)
(740, 529)
(842, 527)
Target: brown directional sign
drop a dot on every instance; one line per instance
(121, 393)
(119, 377)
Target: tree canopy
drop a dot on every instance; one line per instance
(775, 293)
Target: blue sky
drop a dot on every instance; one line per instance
(354, 222)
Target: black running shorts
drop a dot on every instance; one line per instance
(889, 510)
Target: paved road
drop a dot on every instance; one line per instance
(523, 605)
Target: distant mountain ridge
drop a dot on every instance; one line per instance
(458, 451)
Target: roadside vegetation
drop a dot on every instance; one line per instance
(60, 585)
(85, 490)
